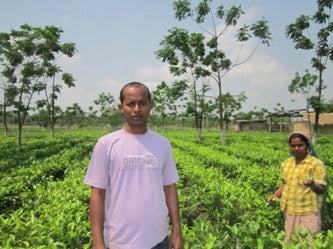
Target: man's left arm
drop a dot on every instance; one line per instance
(175, 241)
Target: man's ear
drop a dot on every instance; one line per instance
(120, 109)
(151, 105)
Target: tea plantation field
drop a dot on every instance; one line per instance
(222, 189)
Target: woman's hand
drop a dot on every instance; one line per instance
(272, 199)
(317, 188)
(309, 183)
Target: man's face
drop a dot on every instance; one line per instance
(136, 107)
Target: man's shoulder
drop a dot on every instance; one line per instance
(157, 136)
(110, 136)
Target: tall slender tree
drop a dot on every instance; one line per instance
(3, 107)
(163, 101)
(305, 85)
(105, 102)
(50, 49)
(199, 106)
(322, 46)
(231, 103)
(178, 92)
(210, 59)
(28, 58)
(73, 115)
(185, 51)
(22, 70)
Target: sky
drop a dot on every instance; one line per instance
(116, 40)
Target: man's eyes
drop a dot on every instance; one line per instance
(131, 104)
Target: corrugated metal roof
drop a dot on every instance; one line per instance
(287, 113)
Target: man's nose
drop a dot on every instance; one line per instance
(136, 107)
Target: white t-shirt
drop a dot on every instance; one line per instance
(133, 169)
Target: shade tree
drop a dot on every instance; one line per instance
(321, 45)
(201, 54)
(28, 62)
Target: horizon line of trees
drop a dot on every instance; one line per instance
(104, 113)
(28, 63)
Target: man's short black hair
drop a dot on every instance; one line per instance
(133, 84)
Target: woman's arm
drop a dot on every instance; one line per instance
(277, 193)
(317, 188)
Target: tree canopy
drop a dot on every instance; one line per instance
(28, 56)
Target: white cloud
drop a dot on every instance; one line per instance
(152, 76)
(251, 14)
(110, 85)
(64, 59)
(158, 73)
(77, 94)
(261, 71)
(65, 21)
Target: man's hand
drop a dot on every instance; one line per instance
(175, 242)
(99, 247)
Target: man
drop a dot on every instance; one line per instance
(132, 175)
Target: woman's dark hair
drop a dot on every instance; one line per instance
(308, 142)
(302, 137)
(134, 84)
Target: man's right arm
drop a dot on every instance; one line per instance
(96, 211)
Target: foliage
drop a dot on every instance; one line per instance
(199, 56)
(106, 108)
(28, 57)
(164, 102)
(222, 189)
(251, 115)
(300, 33)
(73, 115)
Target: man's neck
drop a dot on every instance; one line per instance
(135, 130)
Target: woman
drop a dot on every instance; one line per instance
(302, 188)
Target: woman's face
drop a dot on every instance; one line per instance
(298, 147)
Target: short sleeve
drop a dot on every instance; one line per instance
(319, 174)
(282, 169)
(98, 170)
(170, 173)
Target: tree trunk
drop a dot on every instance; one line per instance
(199, 135)
(202, 111)
(52, 119)
(317, 113)
(308, 112)
(4, 109)
(196, 114)
(317, 110)
(5, 119)
(222, 138)
(52, 131)
(19, 131)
